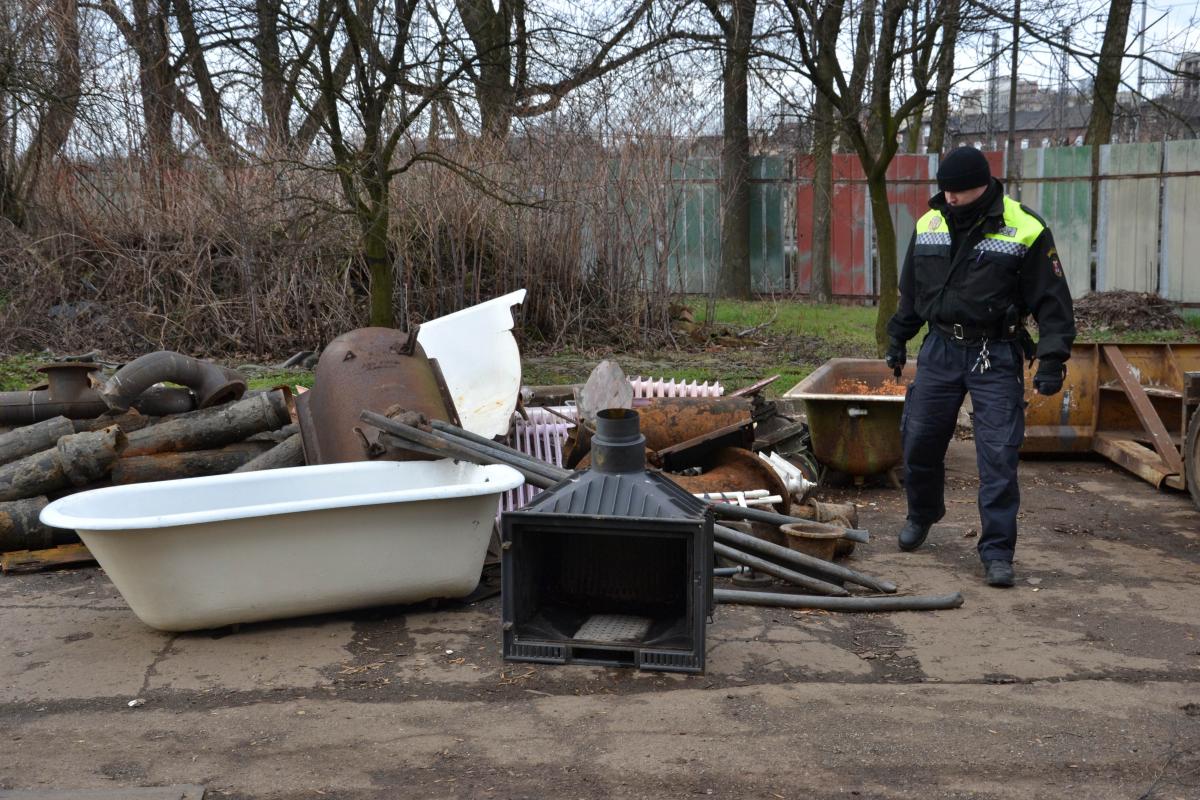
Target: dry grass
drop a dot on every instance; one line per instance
(261, 261)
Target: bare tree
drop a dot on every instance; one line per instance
(40, 86)
(940, 115)
(145, 30)
(872, 127)
(513, 77)
(208, 118)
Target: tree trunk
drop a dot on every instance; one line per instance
(377, 256)
(155, 80)
(489, 27)
(945, 78)
(885, 243)
(824, 136)
(275, 101)
(1010, 147)
(734, 280)
(912, 142)
(1108, 73)
(212, 128)
(62, 104)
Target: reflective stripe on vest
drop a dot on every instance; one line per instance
(1020, 230)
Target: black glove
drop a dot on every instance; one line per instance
(1049, 377)
(896, 356)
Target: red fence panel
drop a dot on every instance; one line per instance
(854, 271)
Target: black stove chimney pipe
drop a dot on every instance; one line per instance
(618, 446)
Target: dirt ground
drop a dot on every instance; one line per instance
(1082, 681)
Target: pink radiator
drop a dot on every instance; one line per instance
(544, 434)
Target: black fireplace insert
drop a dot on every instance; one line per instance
(612, 566)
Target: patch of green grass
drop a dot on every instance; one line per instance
(799, 338)
(732, 368)
(280, 377)
(18, 372)
(852, 325)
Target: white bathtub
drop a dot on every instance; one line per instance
(205, 552)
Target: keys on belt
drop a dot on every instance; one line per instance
(984, 362)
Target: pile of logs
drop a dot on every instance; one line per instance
(43, 461)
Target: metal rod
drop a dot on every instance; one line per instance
(523, 464)
(545, 475)
(783, 573)
(726, 572)
(796, 559)
(475, 442)
(412, 446)
(917, 603)
(730, 511)
(450, 449)
(454, 430)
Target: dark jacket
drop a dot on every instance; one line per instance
(974, 279)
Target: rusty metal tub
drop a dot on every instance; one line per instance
(854, 429)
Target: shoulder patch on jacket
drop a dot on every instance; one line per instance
(1055, 263)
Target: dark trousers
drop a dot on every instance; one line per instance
(944, 376)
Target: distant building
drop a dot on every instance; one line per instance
(1050, 126)
(1187, 83)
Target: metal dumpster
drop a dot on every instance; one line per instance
(1135, 404)
(853, 414)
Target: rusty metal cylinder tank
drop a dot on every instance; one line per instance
(369, 369)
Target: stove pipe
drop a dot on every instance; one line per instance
(618, 446)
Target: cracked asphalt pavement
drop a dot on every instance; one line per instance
(1082, 681)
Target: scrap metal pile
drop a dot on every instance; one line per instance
(638, 493)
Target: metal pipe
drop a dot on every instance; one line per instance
(916, 603)
(392, 441)
(729, 511)
(447, 447)
(796, 559)
(512, 457)
(213, 384)
(726, 572)
(559, 474)
(69, 394)
(783, 573)
(454, 430)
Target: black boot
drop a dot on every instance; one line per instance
(999, 573)
(912, 535)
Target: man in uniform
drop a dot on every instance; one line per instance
(978, 264)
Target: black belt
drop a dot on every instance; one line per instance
(970, 334)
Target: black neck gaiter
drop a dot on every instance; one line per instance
(965, 216)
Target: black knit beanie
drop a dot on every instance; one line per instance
(962, 169)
